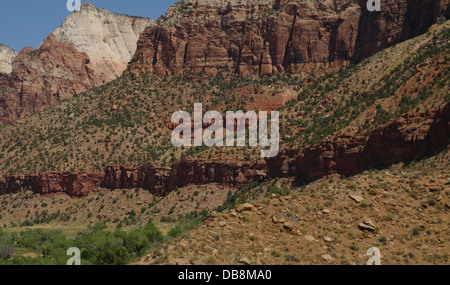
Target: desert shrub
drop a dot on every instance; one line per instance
(109, 254)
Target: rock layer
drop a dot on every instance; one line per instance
(7, 56)
(271, 36)
(108, 38)
(73, 184)
(160, 181)
(401, 139)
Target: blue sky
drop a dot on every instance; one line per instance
(29, 22)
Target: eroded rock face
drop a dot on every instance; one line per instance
(109, 39)
(160, 181)
(72, 184)
(399, 20)
(271, 36)
(400, 139)
(249, 37)
(7, 56)
(42, 78)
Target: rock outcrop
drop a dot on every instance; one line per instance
(108, 38)
(271, 36)
(43, 77)
(73, 184)
(401, 139)
(160, 181)
(7, 56)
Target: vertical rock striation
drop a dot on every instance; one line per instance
(109, 39)
(272, 36)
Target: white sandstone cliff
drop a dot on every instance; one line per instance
(7, 56)
(108, 38)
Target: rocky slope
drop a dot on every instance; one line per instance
(109, 39)
(403, 211)
(399, 140)
(7, 56)
(124, 121)
(274, 36)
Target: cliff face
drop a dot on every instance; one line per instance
(42, 78)
(277, 35)
(398, 21)
(7, 56)
(109, 39)
(249, 37)
(160, 181)
(73, 184)
(401, 139)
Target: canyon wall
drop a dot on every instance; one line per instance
(399, 20)
(249, 37)
(271, 36)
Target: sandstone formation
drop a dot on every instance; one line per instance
(271, 36)
(248, 37)
(399, 20)
(43, 77)
(7, 56)
(109, 39)
(401, 139)
(73, 184)
(160, 181)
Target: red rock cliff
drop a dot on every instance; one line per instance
(273, 36)
(43, 77)
(401, 139)
(160, 181)
(73, 184)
